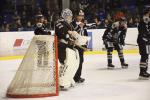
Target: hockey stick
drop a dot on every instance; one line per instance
(131, 44)
(104, 49)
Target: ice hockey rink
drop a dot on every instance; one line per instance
(100, 84)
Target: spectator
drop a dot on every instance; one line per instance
(136, 22)
(107, 10)
(5, 27)
(17, 25)
(16, 16)
(83, 4)
(46, 24)
(24, 18)
(118, 15)
(106, 23)
(131, 23)
(28, 27)
(102, 14)
(74, 6)
(98, 24)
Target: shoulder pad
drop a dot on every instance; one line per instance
(59, 25)
(115, 25)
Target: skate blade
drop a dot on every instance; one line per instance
(143, 78)
(61, 88)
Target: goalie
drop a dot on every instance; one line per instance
(68, 56)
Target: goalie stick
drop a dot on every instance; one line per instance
(104, 49)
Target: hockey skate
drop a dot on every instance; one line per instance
(143, 74)
(110, 66)
(81, 80)
(124, 65)
(63, 88)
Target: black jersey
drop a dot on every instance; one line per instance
(62, 28)
(80, 30)
(144, 33)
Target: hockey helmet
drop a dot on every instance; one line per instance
(67, 15)
(39, 18)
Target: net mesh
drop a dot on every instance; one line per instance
(37, 74)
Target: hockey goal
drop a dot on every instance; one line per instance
(37, 75)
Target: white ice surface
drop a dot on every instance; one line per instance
(100, 84)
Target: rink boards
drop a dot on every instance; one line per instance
(17, 43)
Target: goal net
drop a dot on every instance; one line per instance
(37, 75)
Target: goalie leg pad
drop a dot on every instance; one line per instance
(68, 70)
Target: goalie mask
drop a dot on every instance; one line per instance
(67, 15)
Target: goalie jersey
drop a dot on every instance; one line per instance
(61, 30)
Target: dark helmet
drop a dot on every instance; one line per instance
(39, 16)
(146, 9)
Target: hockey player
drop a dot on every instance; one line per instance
(40, 28)
(143, 41)
(67, 54)
(114, 37)
(80, 27)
